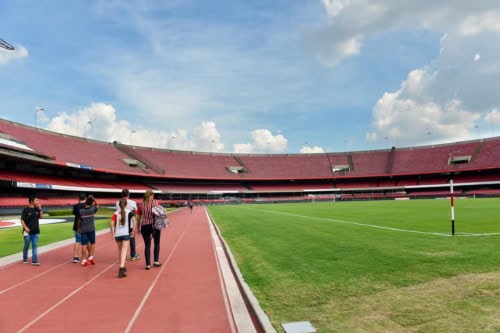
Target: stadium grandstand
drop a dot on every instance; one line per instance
(55, 167)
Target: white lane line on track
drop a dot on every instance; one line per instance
(64, 300)
(155, 281)
(43, 273)
(33, 277)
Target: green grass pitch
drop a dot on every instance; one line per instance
(371, 266)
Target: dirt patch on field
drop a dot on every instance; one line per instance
(467, 303)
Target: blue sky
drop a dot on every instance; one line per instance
(261, 76)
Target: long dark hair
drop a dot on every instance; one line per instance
(123, 204)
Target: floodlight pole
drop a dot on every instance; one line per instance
(38, 109)
(452, 209)
(85, 127)
(130, 141)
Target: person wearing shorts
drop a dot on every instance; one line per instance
(77, 248)
(123, 227)
(132, 206)
(86, 228)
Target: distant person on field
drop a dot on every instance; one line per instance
(86, 228)
(77, 248)
(146, 219)
(190, 205)
(123, 228)
(132, 206)
(30, 220)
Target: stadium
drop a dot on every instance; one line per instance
(321, 247)
(259, 240)
(56, 166)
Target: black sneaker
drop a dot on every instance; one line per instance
(121, 272)
(75, 260)
(148, 267)
(35, 263)
(156, 264)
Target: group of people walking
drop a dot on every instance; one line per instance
(130, 217)
(126, 222)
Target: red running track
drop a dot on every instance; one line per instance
(186, 294)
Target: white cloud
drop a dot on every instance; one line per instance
(263, 141)
(8, 56)
(243, 148)
(99, 121)
(311, 150)
(413, 116)
(476, 24)
(354, 20)
(333, 54)
(334, 7)
(443, 100)
(442, 97)
(206, 135)
(414, 84)
(492, 121)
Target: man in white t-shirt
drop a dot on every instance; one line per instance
(132, 206)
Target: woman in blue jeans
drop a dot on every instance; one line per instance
(30, 220)
(146, 218)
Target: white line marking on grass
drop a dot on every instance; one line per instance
(354, 223)
(374, 225)
(64, 300)
(155, 281)
(476, 235)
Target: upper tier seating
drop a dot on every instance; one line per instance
(201, 188)
(489, 155)
(370, 163)
(69, 149)
(303, 166)
(278, 187)
(431, 159)
(193, 165)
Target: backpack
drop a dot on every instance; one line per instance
(160, 220)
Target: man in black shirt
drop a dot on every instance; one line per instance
(77, 248)
(30, 220)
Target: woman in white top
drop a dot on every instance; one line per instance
(122, 228)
